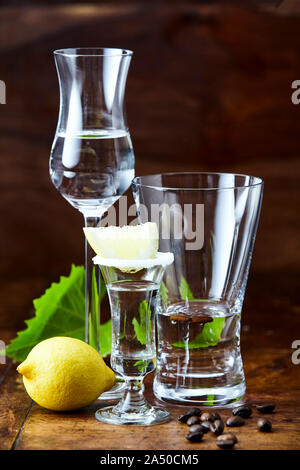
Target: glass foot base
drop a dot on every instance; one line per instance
(213, 397)
(115, 393)
(152, 416)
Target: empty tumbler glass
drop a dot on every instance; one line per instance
(208, 221)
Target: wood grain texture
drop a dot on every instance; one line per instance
(84, 432)
(15, 404)
(265, 369)
(270, 324)
(209, 89)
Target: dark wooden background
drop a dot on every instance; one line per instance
(209, 88)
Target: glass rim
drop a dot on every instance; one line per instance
(93, 52)
(259, 181)
(160, 260)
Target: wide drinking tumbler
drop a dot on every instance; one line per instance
(209, 222)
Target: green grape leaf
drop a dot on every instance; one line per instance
(142, 366)
(60, 311)
(105, 338)
(140, 328)
(209, 336)
(163, 292)
(211, 332)
(209, 400)
(185, 290)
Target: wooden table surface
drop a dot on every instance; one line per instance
(270, 377)
(270, 326)
(209, 89)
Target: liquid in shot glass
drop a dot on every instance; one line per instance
(133, 290)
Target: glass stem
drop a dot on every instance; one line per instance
(92, 291)
(133, 400)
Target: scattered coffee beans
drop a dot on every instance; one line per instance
(265, 408)
(235, 421)
(226, 441)
(243, 411)
(264, 425)
(217, 427)
(200, 423)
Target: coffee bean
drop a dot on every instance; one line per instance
(226, 441)
(195, 411)
(179, 318)
(228, 435)
(235, 421)
(215, 416)
(183, 418)
(196, 428)
(194, 436)
(228, 444)
(207, 417)
(192, 412)
(264, 425)
(243, 411)
(205, 426)
(203, 319)
(265, 408)
(217, 427)
(193, 420)
(188, 319)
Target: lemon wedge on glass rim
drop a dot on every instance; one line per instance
(127, 242)
(129, 248)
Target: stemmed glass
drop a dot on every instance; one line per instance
(133, 290)
(92, 159)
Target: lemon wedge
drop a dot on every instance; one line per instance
(136, 242)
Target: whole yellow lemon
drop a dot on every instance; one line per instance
(63, 374)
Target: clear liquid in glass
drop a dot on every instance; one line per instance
(92, 169)
(198, 353)
(133, 305)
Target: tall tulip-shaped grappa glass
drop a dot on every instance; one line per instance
(92, 159)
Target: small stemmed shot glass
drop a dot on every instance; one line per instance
(133, 289)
